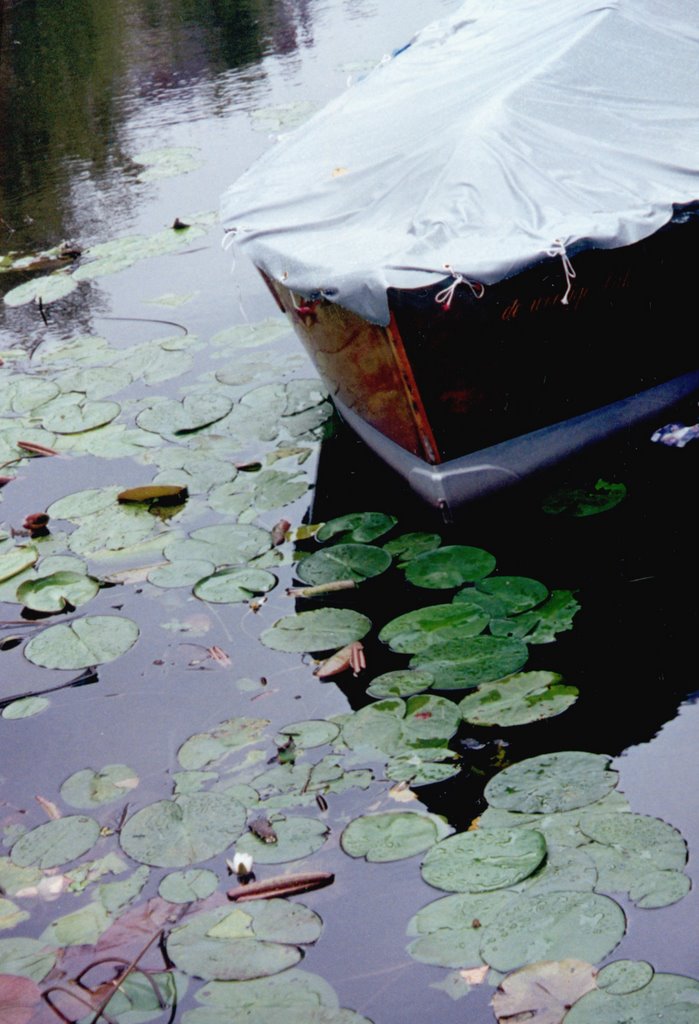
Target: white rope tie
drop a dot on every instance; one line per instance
(446, 296)
(559, 249)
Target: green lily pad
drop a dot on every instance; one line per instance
(74, 417)
(294, 992)
(395, 727)
(414, 632)
(180, 573)
(121, 253)
(639, 835)
(26, 958)
(236, 945)
(81, 928)
(624, 976)
(26, 707)
(114, 896)
(188, 886)
(517, 593)
(409, 545)
(449, 566)
(400, 683)
(312, 733)
(221, 545)
(58, 591)
(252, 335)
(585, 501)
(462, 664)
(167, 162)
(419, 769)
(15, 559)
(543, 992)
(206, 748)
(518, 699)
(392, 835)
(541, 625)
(86, 789)
(449, 929)
(173, 419)
(483, 860)
(554, 926)
(283, 116)
(356, 562)
(234, 586)
(55, 842)
(552, 782)
(667, 997)
(94, 640)
(357, 527)
(182, 831)
(45, 289)
(323, 629)
(297, 837)
(76, 507)
(10, 915)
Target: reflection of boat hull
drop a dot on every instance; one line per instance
(464, 400)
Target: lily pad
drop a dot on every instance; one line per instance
(543, 992)
(449, 929)
(552, 782)
(293, 991)
(356, 562)
(392, 835)
(58, 591)
(415, 631)
(585, 501)
(400, 683)
(221, 545)
(10, 914)
(297, 837)
(554, 926)
(81, 928)
(173, 419)
(26, 707)
(395, 727)
(80, 504)
(45, 289)
(182, 831)
(94, 640)
(312, 733)
(449, 566)
(323, 629)
(55, 842)
(409, 545)
(167, 162)
(357, 527)
(462, 664)
(15, 559)
(517, 593)
(518, 699)
(624, 976)
(28, 958)
(71, 417)
(667, 997)
(86, 789)
(252, 335)
(236, 945)
(541, 625)
(206, 748)
(181, 573)
(234, 586)
(19, 998)
(188, 886)
(483, 860)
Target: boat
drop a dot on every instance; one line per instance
(489, 244)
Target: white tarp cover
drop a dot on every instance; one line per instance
(507, 131)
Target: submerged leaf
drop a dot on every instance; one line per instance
(585, 501)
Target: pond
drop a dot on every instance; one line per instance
(162, 692)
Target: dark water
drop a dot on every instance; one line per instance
(85, 86)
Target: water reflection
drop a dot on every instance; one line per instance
(72, 72)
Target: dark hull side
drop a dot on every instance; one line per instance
(464, 399)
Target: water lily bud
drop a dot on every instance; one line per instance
(242, 864)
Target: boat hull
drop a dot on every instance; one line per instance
(465, 396)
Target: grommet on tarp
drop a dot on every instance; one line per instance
(559, 249)
(446, 296)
